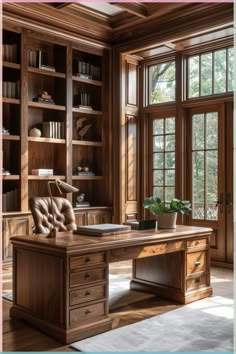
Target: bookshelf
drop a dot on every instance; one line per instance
(55, 121)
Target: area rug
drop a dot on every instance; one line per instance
(205, 325)
(119, 293)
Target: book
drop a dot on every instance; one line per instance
(43, 100)
(86, 173)
(102, 229)
(42, 172)
(82, 204)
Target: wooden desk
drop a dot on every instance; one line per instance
(61, 285)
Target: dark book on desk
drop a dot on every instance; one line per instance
(102, 229)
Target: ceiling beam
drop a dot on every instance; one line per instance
(135, 9)
(60, 5)
(174, 46)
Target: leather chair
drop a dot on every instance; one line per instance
(41, 208)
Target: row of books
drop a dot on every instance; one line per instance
(10, 200)
(55, 130)
(42, 171)
(85, 99)
(88, 70)
(39, 59)
(9, 52)
(11, 89)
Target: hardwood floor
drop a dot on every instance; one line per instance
(18, 336)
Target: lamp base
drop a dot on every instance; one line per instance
(52, 234)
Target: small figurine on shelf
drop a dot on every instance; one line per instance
(5, 172)
(82, 128)
(84, 171)
(35, 132)
(5, 131)
(80, 203)
(44, 97)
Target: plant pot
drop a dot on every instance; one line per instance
(167, 221)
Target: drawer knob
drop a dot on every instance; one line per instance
(87, 312)
(87, 259)
(197, 280)
(197, 263)
(87, 275)
(197, 243)
(87, 293)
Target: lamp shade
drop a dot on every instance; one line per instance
(64, 187)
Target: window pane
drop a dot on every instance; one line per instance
(162, 83)
(158, 160)
(220, 71)
(170, 178)
(170, 125)
(230, 69)
(198, 132)
(158, 143)
(169, 194)
(198, 185)
(158, 192)
(158, 178)
(212, 130)
(211, 185)
(170, 143)
(206, 74)
(158, 126)
(170, 160)
(193, 76)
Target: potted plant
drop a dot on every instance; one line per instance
(166, 215)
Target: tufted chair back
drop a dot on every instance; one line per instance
(41, 209)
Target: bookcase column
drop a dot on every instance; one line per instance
(24, 122)
(68, 122)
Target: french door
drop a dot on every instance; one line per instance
(207, 168)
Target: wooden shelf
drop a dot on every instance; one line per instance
(47, 106)
(46, 72)
(11, 100)
(9, 64)
(86, 111)
(46, 178)
(87, 143)
(11, 178)
(46, 140)
(88, 178)
(87, 81)
(11, 137)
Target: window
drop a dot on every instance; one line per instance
(205, 166)
(163, 148)
(210, 73)
(161, 83)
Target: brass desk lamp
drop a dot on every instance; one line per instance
(63, 187)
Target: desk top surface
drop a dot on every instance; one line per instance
(68, 241)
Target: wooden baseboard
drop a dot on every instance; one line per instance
(222, 264)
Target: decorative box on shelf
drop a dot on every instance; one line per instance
(141, 224)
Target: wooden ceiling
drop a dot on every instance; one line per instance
(134, 21)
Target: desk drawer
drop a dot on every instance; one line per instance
(197, 243)
(87, 294)
(195, 283)
(86, 313)
(196, 262)
(79, 261)
(87, 276)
